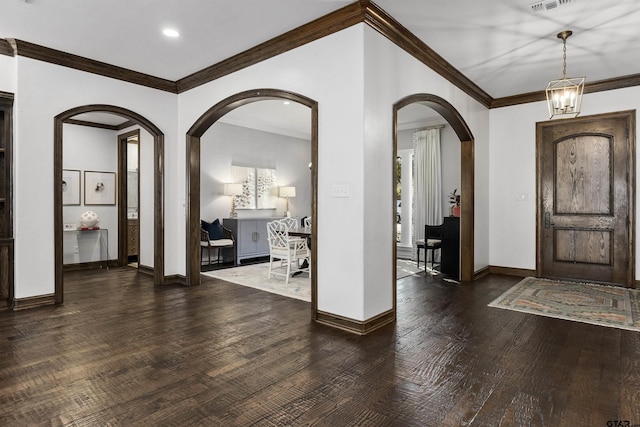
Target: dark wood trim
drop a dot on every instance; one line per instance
(359, 327)
(589, 87)
(6, 48)
(6, 99)
(145, 269)
(58, 57)
(467, 173)
(509, 271)
(126, 124)
(386, 25)
(91, 265)
(175, 279)
(479, 274)
(123, 197)
(331, 23)
(158, 203)
(91, 124)
(314, 209)
(193, 210)
(357, 12)
(192, 156)
(33, 302)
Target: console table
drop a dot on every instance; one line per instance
(90, 245)
(250, 235)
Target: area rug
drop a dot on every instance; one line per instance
(299, 286)
(406, 267)
(581, 302)
(256, 276)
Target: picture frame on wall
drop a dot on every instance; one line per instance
(99, 188)
(70, 187)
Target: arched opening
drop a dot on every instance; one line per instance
(158, 199)
(193, 151)
(455, 120)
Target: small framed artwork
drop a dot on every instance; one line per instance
(99, 188)
(70, 187)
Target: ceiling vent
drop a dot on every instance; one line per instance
(545, 5)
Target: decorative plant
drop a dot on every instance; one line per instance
(454, 198)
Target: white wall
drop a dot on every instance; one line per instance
(329, 71)
(513, 173)
(392, 74)
(44, 91)
(89, 149)
(355, 150)
(224, 145)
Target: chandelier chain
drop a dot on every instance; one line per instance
(564, 58)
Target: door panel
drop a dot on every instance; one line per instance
(584, 178)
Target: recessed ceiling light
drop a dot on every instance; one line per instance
(170, 32)
(286, 103)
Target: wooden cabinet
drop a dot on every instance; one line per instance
(132, 237)
(6, 198)
(250, 235)
(451, 247)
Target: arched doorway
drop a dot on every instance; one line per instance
(467, 161)
(158, 203)
(193, 174)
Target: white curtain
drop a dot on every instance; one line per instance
(428, 181)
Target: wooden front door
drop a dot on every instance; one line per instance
(585, 170)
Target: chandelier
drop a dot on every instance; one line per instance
(564, 96)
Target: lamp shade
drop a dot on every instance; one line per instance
(287, 191)
(232, 189)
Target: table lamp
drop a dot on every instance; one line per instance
(287, 192)
(233, 190)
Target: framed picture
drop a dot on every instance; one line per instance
(99, 188)
(259, 187)
(246, 177)
(70, 187)
(266, 188)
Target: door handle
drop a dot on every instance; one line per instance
(547, 220)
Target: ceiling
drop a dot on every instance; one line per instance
(501, 45)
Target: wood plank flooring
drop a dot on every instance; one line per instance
(120, 352)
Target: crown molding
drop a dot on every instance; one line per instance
(386, 25)
(6, 48)
(326, 25)
(361, 11)
(58, 57)
(589, 87)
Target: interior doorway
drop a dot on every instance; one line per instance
(193, 153)
(128, 119)
(585, 173)
(466, 192)
(129, 198)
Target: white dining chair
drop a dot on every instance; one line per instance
(285, 249)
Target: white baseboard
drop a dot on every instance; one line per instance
(404, 252)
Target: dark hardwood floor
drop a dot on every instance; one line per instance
(120, 352)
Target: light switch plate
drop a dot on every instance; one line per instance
(340, 190)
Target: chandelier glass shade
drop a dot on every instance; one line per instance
(564, 96)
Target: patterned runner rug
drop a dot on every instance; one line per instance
(299, 286)
(581, 302)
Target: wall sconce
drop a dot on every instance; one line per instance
(233, 190)
(287, 192)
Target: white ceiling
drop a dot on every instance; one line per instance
(501, 45)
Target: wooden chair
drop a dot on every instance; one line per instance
(227, 241)
(432, 241)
